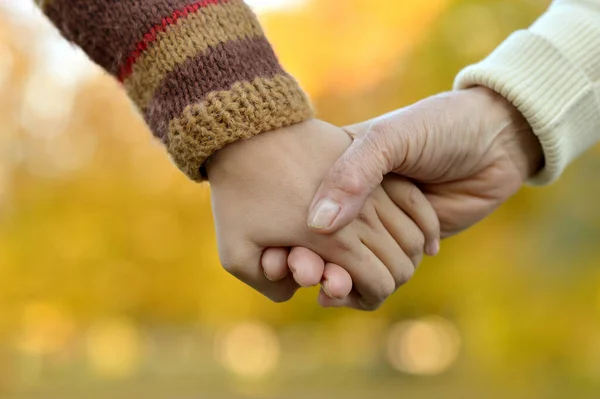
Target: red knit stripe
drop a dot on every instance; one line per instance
(152, 35)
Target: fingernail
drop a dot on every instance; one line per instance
(300, 282)
(326, 290)
(266, 275)
(433, 249)
(324, 214)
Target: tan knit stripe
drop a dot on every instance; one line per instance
(216, 69)
(248, 109)
(208, 27)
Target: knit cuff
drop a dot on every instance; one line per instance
(546, 72)
(202, 73)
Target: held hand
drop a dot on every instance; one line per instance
(261, 189)
(468, 150)
(416, 224)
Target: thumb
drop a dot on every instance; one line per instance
(353, 178)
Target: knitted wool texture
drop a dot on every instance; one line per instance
(202, 73)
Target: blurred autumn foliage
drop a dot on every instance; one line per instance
(109, 279)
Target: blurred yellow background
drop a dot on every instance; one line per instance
(110, 285)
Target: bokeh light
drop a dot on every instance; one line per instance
(426, 346)
(248, 350)
(114, 348)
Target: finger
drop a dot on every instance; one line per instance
(274, 262)
(307, 267)
(336, 283)
(352, 301)
(371, 279)
(354, 176)
(405, 234)
(326, 301)
(383, 245)
(244, 263)
(411, 200)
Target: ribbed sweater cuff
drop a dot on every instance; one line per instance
(547, 73)
(202, 73)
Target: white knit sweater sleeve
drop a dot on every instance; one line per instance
(551, 73)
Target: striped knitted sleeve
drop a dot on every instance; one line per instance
(202, 73)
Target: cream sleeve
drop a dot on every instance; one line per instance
(551, 73)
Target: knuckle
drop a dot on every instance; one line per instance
(379, 148)
(369, 305)
(349, 178)
(415, 196)
(232, 268)
(380, 129)
(233, 265)
(281, 296)
(415, 247)
(416, 260)
(384, 289)
(405, 275)
(362, 216)
(367, 217)
(384, 134)
(340, 245)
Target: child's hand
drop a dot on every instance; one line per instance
(261, 191)
(415, 221)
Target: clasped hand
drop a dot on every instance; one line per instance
(378, 195)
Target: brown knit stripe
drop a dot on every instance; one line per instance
(152, 35)
(108, 30)
(218, 68)
(191, 36)
(42, 3)
(247, 109)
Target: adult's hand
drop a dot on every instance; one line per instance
(469, 151)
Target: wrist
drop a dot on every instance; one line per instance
(526, 150)
(516, 137)
(286, 145)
